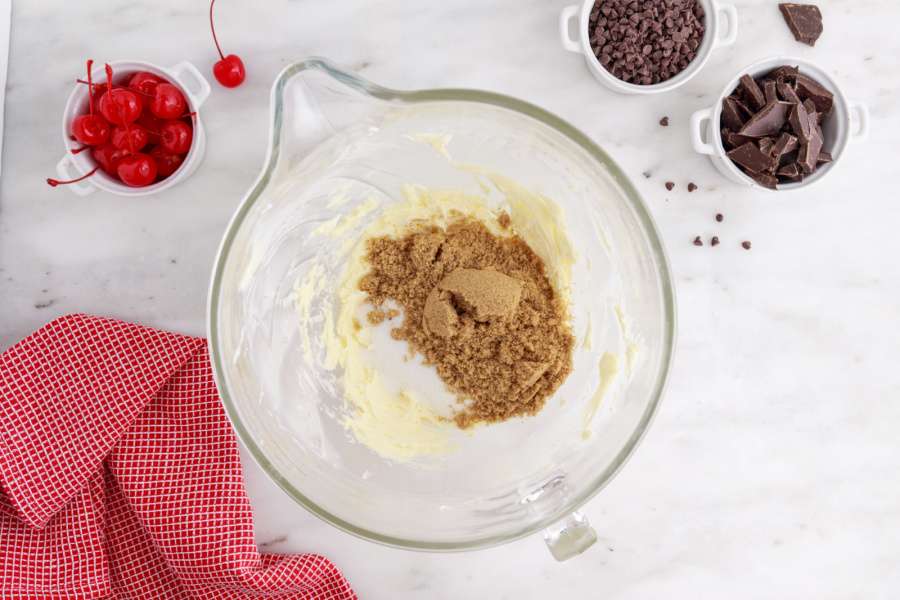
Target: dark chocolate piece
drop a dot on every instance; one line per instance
(735, 140)
(768, 121)
(790, 172)
(664, 121)
(786, 143)
(769, 91)
(698, 241)
(787, 92)
(809, 153)
(789, 157)
(764, 179)
(670, 185)
(799, 121)
(810, 89)
(751, 92)
(824, 157)
(747, 245)
(786, 72)
(692, 186)
(719, 217)
(766, 144)
(809, 105)
(804, 21)
(751, 158)
(731, 114)
(714, 241)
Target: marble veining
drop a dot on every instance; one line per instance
(771, 470)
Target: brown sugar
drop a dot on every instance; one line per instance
(480, 309)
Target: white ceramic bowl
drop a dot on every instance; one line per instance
(195, 89)
(721, 23)
(848, 121)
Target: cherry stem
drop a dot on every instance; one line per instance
(213, 28)
(90, 83)
(102, 85)
(79, 150)
(55, 182)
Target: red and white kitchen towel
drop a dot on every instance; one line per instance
(120, 475)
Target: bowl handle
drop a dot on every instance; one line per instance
(194, 83)
(698, 125)
(65, 172)
(570, 537)
(565, 17)
(728, 13)
(859, 113)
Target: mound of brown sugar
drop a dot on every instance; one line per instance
(481, 310)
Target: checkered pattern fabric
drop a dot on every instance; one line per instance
(120, 475)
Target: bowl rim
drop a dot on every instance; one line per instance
(663, 273)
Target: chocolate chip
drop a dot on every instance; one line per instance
(720, 217)
(670, 185)
(804, 21)
(664, 121)
(714, 241)
(746, 245)
(692, 186)
(698, 241)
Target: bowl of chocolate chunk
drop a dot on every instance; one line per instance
(781, 124)
(646, 46)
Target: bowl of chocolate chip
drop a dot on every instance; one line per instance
(781, 124)
(647, 46)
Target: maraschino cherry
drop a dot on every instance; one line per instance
(90, 129)
(137, 170)
(228, 70)
(119, 105)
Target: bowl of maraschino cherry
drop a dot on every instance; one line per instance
(132, 128)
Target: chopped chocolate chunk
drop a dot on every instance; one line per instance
(799, 120)
(787, 92)
(731, 114)
(746, 245)
(751, 158)
(769, 91)
(767, 121)
(733, 140)
(670, 185)
(809, 153)
(751, 92)
(790, 172)
(789, 157)
(698, 241)
(664, 121)
(719, 217)
(824, 157)
(786, 72)
(766, 144)
(804, 21)
(786, 143)
(808, 88)
(714, 241)
(692, 186)
(765, 180)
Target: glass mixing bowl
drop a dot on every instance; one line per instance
(336, 136)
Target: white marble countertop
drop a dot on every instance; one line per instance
(772, 468)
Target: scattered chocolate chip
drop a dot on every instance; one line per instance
(664, 121)
(804, 21)
(745, 245)
(45, 304)
(647, 174)
(670, 185)
(645, 42)
(698, 241)
(714, 241)
(692, 186)
(774, 121)
(720, 217)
